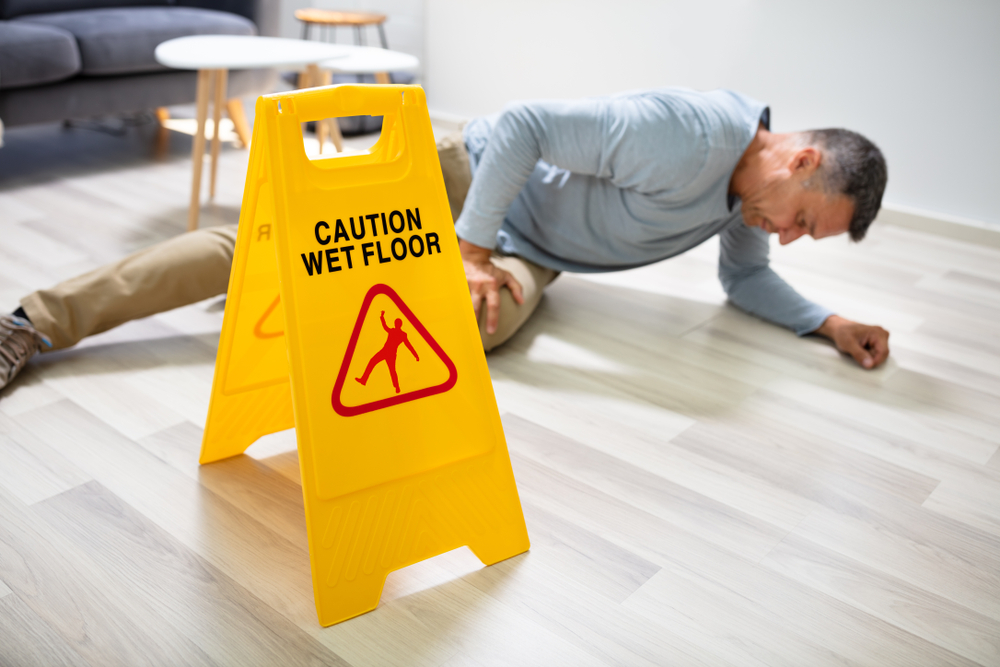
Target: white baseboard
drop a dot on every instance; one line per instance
(962, 229)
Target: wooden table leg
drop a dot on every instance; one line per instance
(234, 108)
(313, 77)
(330, 125)
(335, 135)
(220, 78)
(198, 148)
(382, 77)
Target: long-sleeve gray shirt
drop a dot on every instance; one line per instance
(611, 183)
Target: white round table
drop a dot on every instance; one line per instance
(358, 60)
(213, 56)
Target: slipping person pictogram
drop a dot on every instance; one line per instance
(387, 354)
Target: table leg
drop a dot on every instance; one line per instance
(313, 79)
(330, 125)
(234, 108)
(162, 133)
(335, 135)
(220, 77)
(198, 148)
(382, 77)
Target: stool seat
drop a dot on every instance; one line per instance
(335, 17)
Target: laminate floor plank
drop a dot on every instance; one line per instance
(934, 462)
(599, 565)
(200, 602)
(269, 566)
(921, 547)
(973, 500)
(246, 483)
(645, 447)
(28, 393)
(28, 641)
(803, 464)
(913, 422)
(711, 520)
(570, 606)
(59, 584)
(30, 469)
(895, 601)
(825, 628)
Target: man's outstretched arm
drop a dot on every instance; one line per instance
(752, 285)
(416, 356)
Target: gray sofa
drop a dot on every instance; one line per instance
(74, 59)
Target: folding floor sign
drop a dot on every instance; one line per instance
(348, 301)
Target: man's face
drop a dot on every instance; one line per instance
(783, 205)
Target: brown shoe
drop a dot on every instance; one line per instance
(19, 341)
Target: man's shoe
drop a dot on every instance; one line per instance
(19, 341)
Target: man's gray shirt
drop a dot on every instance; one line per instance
(612, 183)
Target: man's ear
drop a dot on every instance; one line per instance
(806, 159)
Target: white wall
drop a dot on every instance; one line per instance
(920, 78)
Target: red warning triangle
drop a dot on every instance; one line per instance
(396, 339)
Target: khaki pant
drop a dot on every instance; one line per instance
(196, 265)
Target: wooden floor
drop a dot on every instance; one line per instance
(700, 488)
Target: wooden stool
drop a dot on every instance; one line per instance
(334, 18)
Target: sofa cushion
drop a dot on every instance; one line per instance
(122, 41)
(12, 8)
(35, 54)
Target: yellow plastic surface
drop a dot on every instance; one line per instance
(400, 444)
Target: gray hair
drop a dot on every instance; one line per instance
(852, 166)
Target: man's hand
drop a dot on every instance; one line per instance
(485, 281)
(869, 345)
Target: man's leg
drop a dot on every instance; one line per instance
(533, 279)
(455, 169)
(177, 272)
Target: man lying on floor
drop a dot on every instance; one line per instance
(601, 184)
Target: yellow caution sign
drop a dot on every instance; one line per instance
(348, 300)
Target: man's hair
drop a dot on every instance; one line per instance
(852, 166)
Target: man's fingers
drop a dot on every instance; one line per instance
(492, 310)
(477, 300)
(878, 346)
(515, 288)
(854, 348)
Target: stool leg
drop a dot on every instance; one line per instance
(381, 36)
(198, 149)
(234, 108)
(382, 77)
(358, 36)
(221, 77)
